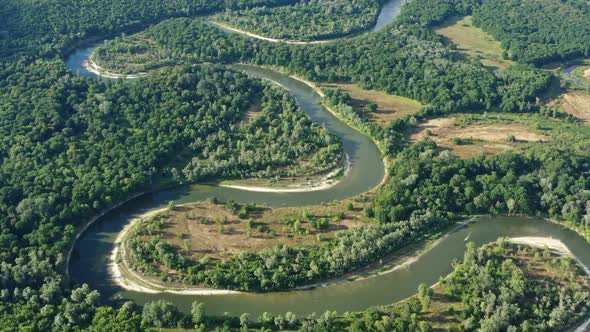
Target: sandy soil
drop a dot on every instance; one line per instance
(92, 67)
(491, 137)
(272, 40)
(577, 104)
(561, 248)
(587, 73)
(197, 227)
(134, 282)
(326, 182)
(91, 222)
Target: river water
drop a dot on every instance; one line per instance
(92, 251)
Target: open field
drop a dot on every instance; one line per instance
(389, 107)
(471, 140)
(207, 229)
(473, 42)
(576, 104)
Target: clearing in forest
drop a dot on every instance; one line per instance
(576, 104)
(473, 42)
(389, 107)
(220, 230)
(471, 140)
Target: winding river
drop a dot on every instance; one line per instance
(91, 254)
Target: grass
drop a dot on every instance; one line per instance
(487, 133)
(208, 229)
(389, 107)
(576, 104)
(473, 42)
(471, 135)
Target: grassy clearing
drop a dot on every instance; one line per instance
(468, 135)
(473, 42)
(472, 139)
(389, 107)
(576, 104)
(214, 230)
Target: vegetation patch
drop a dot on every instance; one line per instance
(473, 42)
(380, 107)
(128, 55)
(219, 230)
(501, 286)
(324, 19)
(576, 104)
(474, 139)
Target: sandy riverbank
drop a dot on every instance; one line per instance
(132, 281)
(560, 248)
(92, 67)
(326, 182)
(550, 243)
(272, 40)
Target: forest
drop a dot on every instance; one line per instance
(324, 19)
(409, 61)
(491, 289)
(83, 145)
(550, 30)
(71, 147)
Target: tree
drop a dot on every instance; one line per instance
(424, 296)
(197, 313)
(160, 313)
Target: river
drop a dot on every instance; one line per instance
(92, 250)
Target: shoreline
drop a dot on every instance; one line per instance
(92, 221)
(224, 26)
(139, 283)
(325, 182)
(550, 243)
(94, 68)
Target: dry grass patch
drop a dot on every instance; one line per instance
(389, 107)
(587, 73)
(472, 140)
(207, 229)
(251, 113)
(473, 42)
(576, 104)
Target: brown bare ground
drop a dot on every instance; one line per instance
(183, 227)
(587, 73)
(577, 104)
(487, 138)
(252, 112)
(389, 107)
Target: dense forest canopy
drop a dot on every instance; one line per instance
(70, 146)
(550, 30)
(407, 60)
(323, 19)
